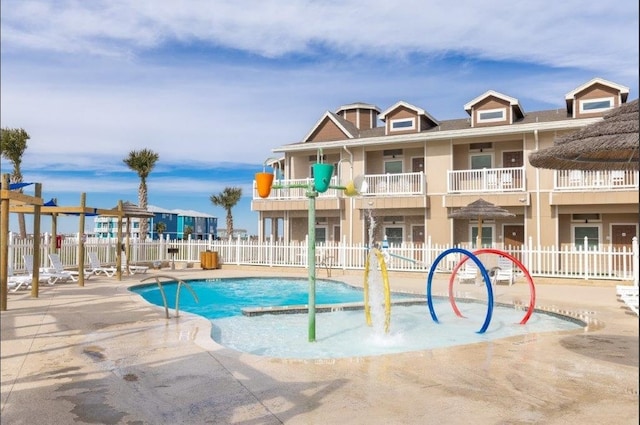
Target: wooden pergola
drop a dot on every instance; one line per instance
(16, 202)
(82, 211)
(8, 198)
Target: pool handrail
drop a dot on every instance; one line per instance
(164, 297)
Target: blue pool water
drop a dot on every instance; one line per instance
(341, 333)
(227, 297)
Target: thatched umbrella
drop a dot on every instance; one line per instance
(610, 144)
(480, 209)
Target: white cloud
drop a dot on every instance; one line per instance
(208, 82)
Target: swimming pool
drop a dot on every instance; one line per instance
(339, 333)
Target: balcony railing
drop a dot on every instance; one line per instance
(403, 184)
(595, 180)
(486, 180)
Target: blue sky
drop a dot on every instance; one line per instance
(214, 86)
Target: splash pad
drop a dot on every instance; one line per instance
(321, 183)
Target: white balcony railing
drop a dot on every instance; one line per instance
(486, 180)
(595, 180)
(403, 184)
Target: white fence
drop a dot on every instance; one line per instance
(583, 262)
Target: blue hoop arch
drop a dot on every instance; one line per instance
(485, 275)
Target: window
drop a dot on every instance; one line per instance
(487, 236)
(592, 233)
(403, 124)
(479, 147)
(392, 152)
(480, 161)
(393, 166)
(321, 234)
(492, 115)
(596, 105)
(394, 234)
(585, 217)
(393, 219)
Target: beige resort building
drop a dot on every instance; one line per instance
(418, 169)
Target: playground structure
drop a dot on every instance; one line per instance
(321, 183)
(322, 174)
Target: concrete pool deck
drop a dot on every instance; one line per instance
(100, 354)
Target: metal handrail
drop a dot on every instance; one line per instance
(164, 296)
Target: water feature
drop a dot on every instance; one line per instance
(341, 333)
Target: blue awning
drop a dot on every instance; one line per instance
(14, 186)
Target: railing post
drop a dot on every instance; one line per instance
(585, 247)
(636, 271)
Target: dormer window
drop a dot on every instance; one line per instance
(596, 105)
(403, 124)
(492, 115)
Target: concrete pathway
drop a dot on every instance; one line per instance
(99, 354)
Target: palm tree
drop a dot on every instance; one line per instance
(12, 146)
(227, 200)
(142, 162)
(188, 230)
(160, 227)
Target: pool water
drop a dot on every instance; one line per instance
(339, 334)
(228, 296)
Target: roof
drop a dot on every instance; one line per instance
(609, 144)
(623, 89)
(419, 111)
(185, 213)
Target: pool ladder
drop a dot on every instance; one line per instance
(164, 296)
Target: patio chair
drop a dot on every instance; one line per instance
(97, 269)
(468, 273)
(49, 277)
(133, 268)
(504, 271)
(58, 268)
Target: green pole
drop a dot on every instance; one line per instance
(311, 248)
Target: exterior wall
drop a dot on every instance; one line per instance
(491, 102)
(400, 113)
(327, 131)
(594, 92)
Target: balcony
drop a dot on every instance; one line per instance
(402, 184)
(486, 180)
(578, 180)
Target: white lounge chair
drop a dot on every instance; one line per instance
(50, 277)
(16, 282)
(468, 273)
(504, 271)
(133, 268)
(97, 268)
(622, 290)
(58, 268)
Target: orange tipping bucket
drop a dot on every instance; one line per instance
(264, 181)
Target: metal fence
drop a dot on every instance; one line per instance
(577, 262)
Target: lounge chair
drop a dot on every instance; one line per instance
(622, 290)
(468, 273)
(504, 271)
(97, 268)
(16, 282)
(50, 277)
(58, 268)
(132, 268)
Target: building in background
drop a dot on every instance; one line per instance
(419, 169)
(176, 224)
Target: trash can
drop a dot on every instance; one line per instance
(209, 260)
